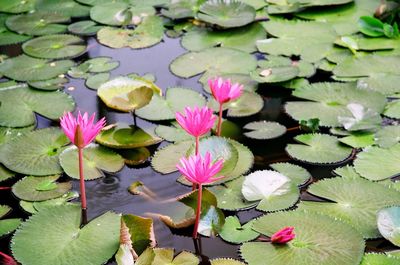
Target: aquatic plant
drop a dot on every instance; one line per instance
(283, 236)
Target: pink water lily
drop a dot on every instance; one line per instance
(85, 124)
(283, 236)
(224, 91)
(81, 131)
(199, 170)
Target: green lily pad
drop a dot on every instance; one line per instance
(25, 68)
(273, 190)
(32, 188)
(234, 232)
(136, 156)
(355, 201)
(366, 161)
(361, 118)
(173, 133)
(38, 23)
(141, 231)
(148, 33)
(96, 159)
(244, 79)
(359, 139)
(8, 37)
(11, 6)
(29, 246)
(227, 14)
(319, 240)
(159, 256)
(161, 108)
(36, 206)
(101, 64)
(383, 83)
(297, 174)
(226, 261)
(8, 133)
(392, 109)
(84, 28)
(165, 159)
(95, 81)
(318, 149)
(388, 136)
(378, 259)
(124, 136)
(264, 130)
(361, 43)
(5, 174)
(4, 210)
(56, 46)
(19, 104)
(35, 153)
(388, 224)
(49, 85)
(182, 9)
(8, 226)
(242, 38)
(65, 7)
(211, 60)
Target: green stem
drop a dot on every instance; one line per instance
(198, 211)
(219, 120)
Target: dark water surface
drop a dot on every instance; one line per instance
(111, 192)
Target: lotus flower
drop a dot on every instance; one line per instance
(283, 236)
(224, 91)
(199, 170)
(81, 130)
(196, 122)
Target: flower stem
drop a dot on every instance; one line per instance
(196, 152)
(82, 187)
(198, 211)
(219, 120)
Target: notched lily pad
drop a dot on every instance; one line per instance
(264, 130)
(234, 232)
(389, 225)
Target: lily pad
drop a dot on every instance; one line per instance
(57, 223)
(95, 81)
(361, 119)
(36, 152)
(5, 174)
(318, 149)
(36, 206)
(226, 13)
(49, 85)
(234, 232)
(173, 133)
(366, 161)
(8, 37)
(297, 174)
(182, 9)
(4, 210)
(136, 156)
(20, 103)
(141, 231)
(124, 136)
(388, 136)
(249, 103)
(378, 258)
(244, 79)
(148, 33)
(38, 23)
(158, 256)
(101, 64)
(388, 224)
(84, 28)
(25, 68)
(96, 159)
(225, 261)
(164, 160)
(383, 83)
(161, 108)
(8, 226)
(56, 46)
(34, 188)
(11, 6)
(359, 139)
(65, 7)
(392, 109)
(319, 240)
(264, 130)
(355, 201)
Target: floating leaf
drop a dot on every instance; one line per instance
(388, 136)
(392, 109)
(318, 149)
(28, 188)
(35, 152)
(249, 103)
(226, 13)
(12, 6)
(388, 224)
(48, 85)
(65, 7)
(234, 232)
(383, 83)
(244, 79)
(149, 32)
(8, 226)
(319, 240)
(38, 23)
(96, 159)
(56, 46)
(166, 256)
(161, 108)
(101, 64)
(264, 130)
(29, 246)
(367, 161)
(25, 68)
(136, 156)
(95, 81)
(8, 37)
(220, 60)
(295, 173)
(36, 206)
(84, 28)
(5, 174)
(225, 261)
(362, 118)
(378, 259)
(359, 139)
(173, 133)
(355, 201)
(164, 160)
(19, 104)
(4, 210)
(182, 9)
(124, 136)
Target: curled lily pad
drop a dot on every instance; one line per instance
(264, 130)
(388, 224)
(318, 149)
(38, 23)
(226, 13)
(49, 85)
(84, 28)
(57, 223)
(141, 232)
(234, 232)
(124, 136)
(136, 156)
(96, 159)
(40, 188)
(25, 68)
(55, 46)
(35, 153)
(65, 7)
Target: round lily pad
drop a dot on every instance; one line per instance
(55, 46)
(101, 64)
(234, 232)
(84, 28)
(295, 173)
(388, 224)
(49, 85)
(29, 246)
(264, 130)
(319, 240)
(165, 159)
(95, 81)
(226, 13)
(124, 136)
(35, 153)
(173, 133)
(318, 149)
(25, 68)
(8, 37)
(19, 6)
(355, 201)
(96, 159)
(65, 7)
(40, 188)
